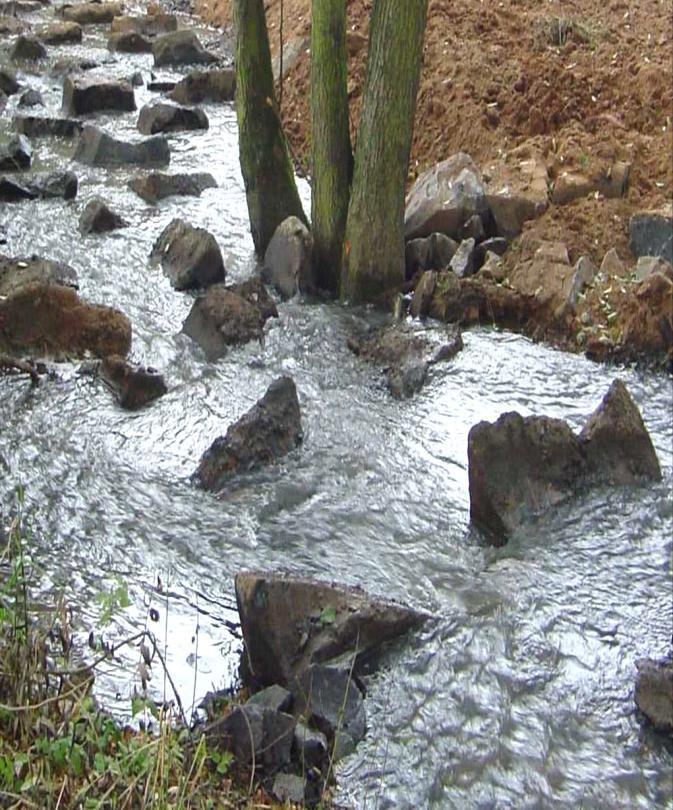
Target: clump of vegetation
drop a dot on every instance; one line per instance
(59, 750)
(557, 31)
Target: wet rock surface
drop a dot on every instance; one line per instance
(22, 271)
(91, 13)
(129, 42)
(654, 693)
(520, 467)
(147, 25)
(229, 316)
(28, 47)
(158, 185)
(98, 217)
(405, 353)
(82, 95)
(267, 432)
(60, 33)
(180, 48)
(38, 186)
(16, 154)
(215, 85)
(288, 259)
(40, 126)
(31, 98)
(162, 117)
(97, 148)
(189, 256)
(134, 386)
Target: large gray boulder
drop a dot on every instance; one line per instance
(97, 217)
(158, 185)
(97, 148)
(651, 233)
(82, 95)
(22, 271)
(40, 126)
(91, 13)
(162, 117)
(654, 693)
(444, 198)
(519, 467)
(267, 432)
(229, 316)
(290, 623)
(205, 85)
(180, 48)
(288, 259)
(38, 186)
(16, 154)
(189, 256)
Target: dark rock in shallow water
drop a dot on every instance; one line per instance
(229, 316)
(205, 85)
(189, 256)
(654, 693)
(289, 623)
(129, 42)
(31, 98)
(16, 154)
(39, 126)
(38, 186)
(149, 25)
(180, 48)
(267, 432)
(406, 353)
(161, 85)
(53, 320)
(157, 185)
(91, 13)
(163, 117)
(522, 466)
(97, 217)
(97, 148)
(60, 33)
(288, 259)
(82, 95)
(22, 271)
(28, 48)
(135, 386)
(71, 64)
(8, 83)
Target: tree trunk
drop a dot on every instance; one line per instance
(267, 171)
(331, 156)
(374, 249)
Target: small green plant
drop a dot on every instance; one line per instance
(113, 600)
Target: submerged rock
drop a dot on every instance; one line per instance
(288, 259)
(40, 126)
(268, 431)
(91, 13)
(134, 386)
(31, 98)
(97, 148)
(189, 256)
(53, 320)
(129, 42)
(38, 186)
(205, 85)
(654, 693)
(157, 185)
(229, 316)
(290, 623)
(180, 48)
(97, 217)
(22, 271)
(16, 154)
(60, 33)
(148, 25)
(28, 47)
(8, 83)
(406, 353)
(82, 95)
(161, 117)
(519, 467)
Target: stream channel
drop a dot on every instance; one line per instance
(521, 695)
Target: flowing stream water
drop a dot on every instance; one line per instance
(521, 694)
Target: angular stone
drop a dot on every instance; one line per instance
(462, 263)
(615, 441)
(444, 198)
(493, 268)
(40, 126)
(288, 259)
(180, 48)
(31, 98)
(287, 787)
(157, 185)
(571, 186)
(517, 191)
(651, 233)
(60, 33)
(44, 186)
(497, 245)
(97, 217)
(82, 95)
(147, 25)
(16, 154)
(647, 265)
(189, 256)
(129, 42)
(268, 431)
(310, 747)
(28, 47)
(91, 13)
(274, 697)
(247, 729)
(161, 117)
(612, 266)
(473, 229)
(71, 64)
(290, 622)
(432, 252)
(97, 148)
(229, 316)
(52, 320)
(654, 693)
(205, 85)
(22, 271)
(8, 83)
(584, 274)
(134, 386)
(425, 289)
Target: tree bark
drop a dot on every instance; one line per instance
(267, 170)
(374, 248)
(331, 155)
